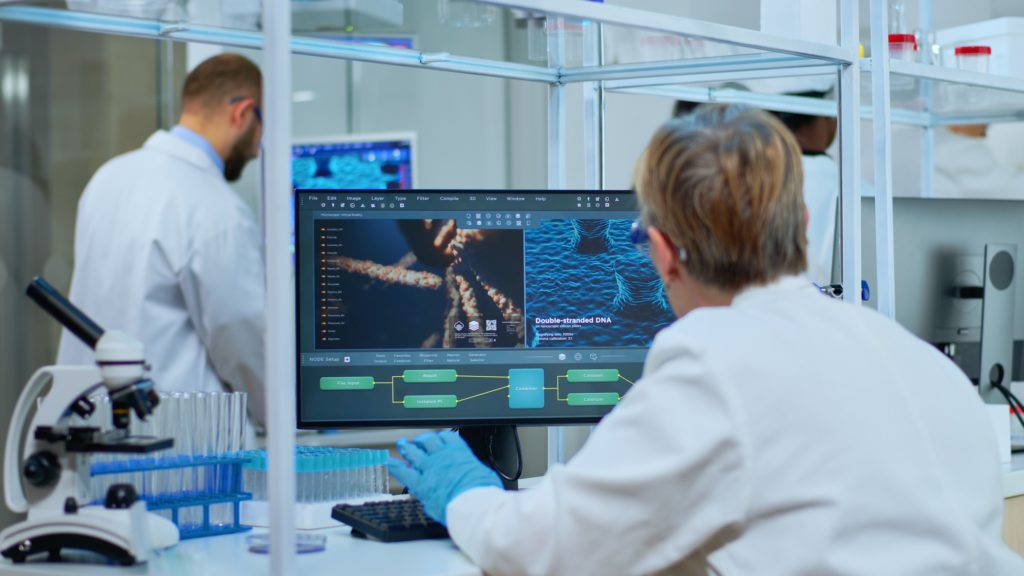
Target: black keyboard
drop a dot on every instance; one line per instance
(389, 520)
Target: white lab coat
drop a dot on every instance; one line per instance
(167, 252)
(964, 167)
(785, 434)
(821, 195)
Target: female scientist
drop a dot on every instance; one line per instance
(775, 431)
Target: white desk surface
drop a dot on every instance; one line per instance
(229, 555)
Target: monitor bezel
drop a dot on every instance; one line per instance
(412, 422)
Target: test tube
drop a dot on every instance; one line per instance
(348, 473)
(342, 475)
(301, 460)
(237, 434)
(337, 482)
(222, 424)
(183, 424)
(325, 476)
(199, 441)
(164, 428)
(263, 470)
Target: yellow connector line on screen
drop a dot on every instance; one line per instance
(557, 388)
(558, 383)
(481, 394)
(457, 376)
(392, 384)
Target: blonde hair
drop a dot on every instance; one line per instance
(725, 184)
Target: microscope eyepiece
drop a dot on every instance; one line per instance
(63, 311)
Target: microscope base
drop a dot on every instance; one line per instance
(125, 536)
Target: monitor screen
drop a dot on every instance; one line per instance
(469, 307)
(359, 161)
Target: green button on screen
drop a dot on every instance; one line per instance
(593, 399)
(346, 383)
(430, 401)
(610, 375)
(429, 375)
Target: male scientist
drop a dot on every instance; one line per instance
(166, 251)
(775, 431)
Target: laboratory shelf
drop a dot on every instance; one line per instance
(774, 102)
(784, 56)
(694, 70)
(689, 27)
(929, 95)
(190, 32)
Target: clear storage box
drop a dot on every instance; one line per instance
(1005, 37)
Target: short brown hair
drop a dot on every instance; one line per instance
(220, 78)
(726, 184)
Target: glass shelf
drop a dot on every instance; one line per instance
(921, 95)
(936, 96)
(637, 44)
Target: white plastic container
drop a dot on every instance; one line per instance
(903, 47)
(1005, 36)
(973, 58)
(810, 20)
(149, 9)
(999, 415)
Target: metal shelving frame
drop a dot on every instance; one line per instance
(929, 76)
(882, 107)
(778, 56)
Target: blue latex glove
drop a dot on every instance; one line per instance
(437, 467)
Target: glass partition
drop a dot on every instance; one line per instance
(69, 101)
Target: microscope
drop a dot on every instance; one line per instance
(54, 459)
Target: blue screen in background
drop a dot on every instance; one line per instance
(383, 165)
(377, 165)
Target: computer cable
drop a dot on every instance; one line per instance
(519, 457)
(1012, 399)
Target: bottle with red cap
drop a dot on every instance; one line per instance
(903, 47)
(973, 58)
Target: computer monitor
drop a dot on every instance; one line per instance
(466, 308)
(355, 161)
(939, 247)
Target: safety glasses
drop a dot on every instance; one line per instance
(638, 234)
(640, 239)
(256, 111)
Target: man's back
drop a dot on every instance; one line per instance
(165, 251)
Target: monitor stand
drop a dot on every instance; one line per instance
(495, 446)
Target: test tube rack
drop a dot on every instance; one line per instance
(324, 476)
(203, 503)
